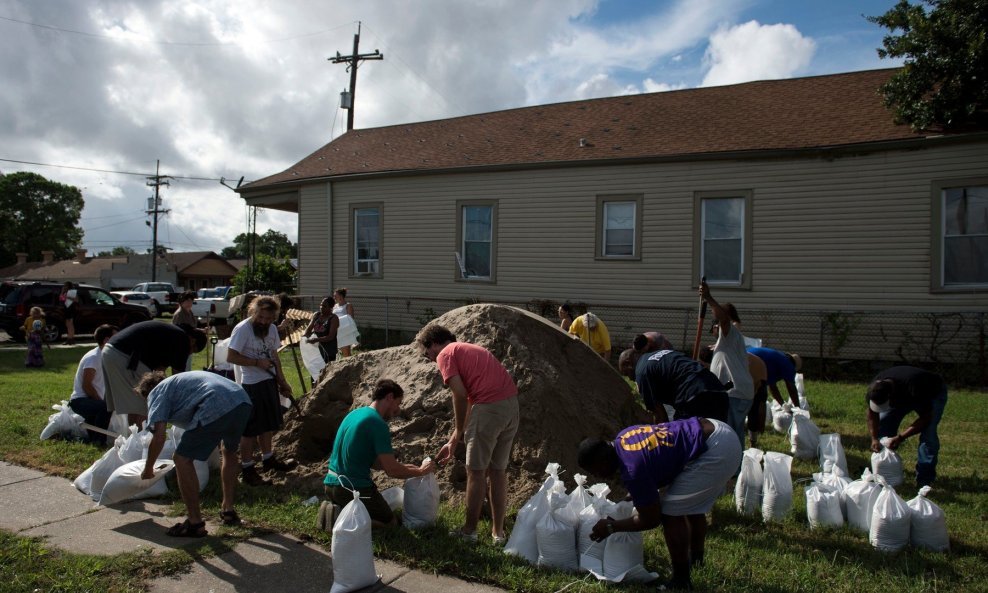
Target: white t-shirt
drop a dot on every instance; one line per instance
(246, 343)
(730, 363)
(90, 360)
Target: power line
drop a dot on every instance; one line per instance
(95, 170)
(176, 43)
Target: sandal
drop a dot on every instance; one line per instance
(230, 518)
(186, 529)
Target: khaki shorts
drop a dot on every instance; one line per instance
(119, 382)
(490, 433)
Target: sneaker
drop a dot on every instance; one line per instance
(250, 477)
(470, 538)
(328, 512)
(274, 464)
(499, 540)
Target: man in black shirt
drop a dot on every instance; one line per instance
(672, 378)
(893, 394)
(139, 349)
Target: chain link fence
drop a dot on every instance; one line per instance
(835, 345)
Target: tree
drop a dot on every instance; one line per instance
(271, 243)
(268, 274)
(38, 214)
(118, 250)
(944, 82)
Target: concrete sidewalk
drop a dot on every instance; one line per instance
(35, 504)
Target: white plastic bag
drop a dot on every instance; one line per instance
(832, 449)
(352, 549)
(104, 468)
(833, 478)
(823, 506)
(522, 541)
(592, 553)
(346, 334)
(579, 498)
(555, 534)
(118, 424)
(63, 422)
(748, 488)
(860, 496)
(126, 483)
(624, 553)
(890, 521)
(928, 523)
(394, 496)
(311, 358)
(781, 417)
(133, 447)
(887, 464)
(421, 501)
(777, 487)
(804, 436)
(801, 392)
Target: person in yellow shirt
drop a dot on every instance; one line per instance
(592, 331)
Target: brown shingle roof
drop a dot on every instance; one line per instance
(67, 269)
(793, 114)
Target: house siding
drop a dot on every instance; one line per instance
(314, 215)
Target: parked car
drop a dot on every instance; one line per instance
(164, 294)
(94, 307)
(142, 299)
(214, 304)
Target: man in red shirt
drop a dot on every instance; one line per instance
(485, 410)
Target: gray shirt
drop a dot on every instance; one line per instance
(193, 399)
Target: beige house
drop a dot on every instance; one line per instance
(788, 195)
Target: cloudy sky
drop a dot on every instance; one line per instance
(243, 88)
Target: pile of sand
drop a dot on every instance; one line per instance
(566, 393)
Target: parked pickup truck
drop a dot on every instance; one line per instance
(213, 303)
(163, 293)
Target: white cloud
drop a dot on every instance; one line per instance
(651, 86)
(752, 51)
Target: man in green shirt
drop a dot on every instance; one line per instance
(363, 442)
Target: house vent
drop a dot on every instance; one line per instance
(583, 143)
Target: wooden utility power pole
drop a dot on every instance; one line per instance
(352, 61)
(154, 209)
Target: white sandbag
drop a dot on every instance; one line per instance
(624, 553)
(215, 460)
(860, 496)
(801, 392)
(833, 478)
(823, 506)
(104, 468)
(167, 448)
(591, 553)
(133, 447)
(928, 523)
(311, 358)
(346, 334)
(804, 436)
(832, 449)
(522, 542)
(748, 488)
(887, 464)
(118, 424)
(781, 417)
(421, 501)
(352, 549)
(890, 521)
(202, 473)
(777, 487)
(83, 482)
(394, 496)
(126, 483)
(555, 534)
(64, 422)
(579, 498)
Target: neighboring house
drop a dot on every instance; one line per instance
(136, 268)
(80, 269)
(788, 195)
(201, 269)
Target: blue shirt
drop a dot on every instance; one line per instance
(778, 365)
(361, 437)
(193, 399)
(652, 455)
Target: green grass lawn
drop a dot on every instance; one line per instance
(743, 554)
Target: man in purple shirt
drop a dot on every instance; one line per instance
(692, 459)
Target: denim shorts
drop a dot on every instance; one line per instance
(198, 443)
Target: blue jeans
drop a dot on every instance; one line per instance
(737, 411)
(929, 440)
(94, 412)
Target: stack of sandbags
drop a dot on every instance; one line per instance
(522, 541)
(63, 423)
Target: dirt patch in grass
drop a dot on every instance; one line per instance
(566, 393)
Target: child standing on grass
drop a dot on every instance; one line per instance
(34, 327)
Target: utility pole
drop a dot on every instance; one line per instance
(349, 102)
(154, 209)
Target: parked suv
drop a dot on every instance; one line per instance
(94, 307)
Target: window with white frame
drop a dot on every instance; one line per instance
(367, 241)
(964, 236)
(477, 234)
(722, 243)
(619, 226)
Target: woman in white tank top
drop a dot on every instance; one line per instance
(341, 308)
